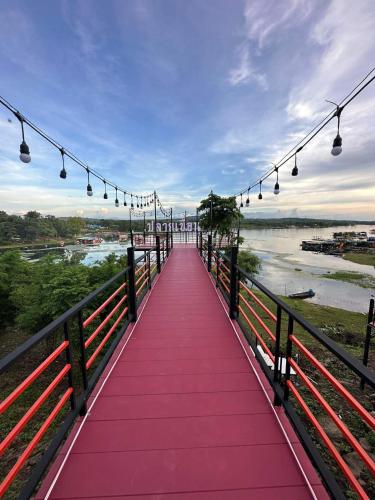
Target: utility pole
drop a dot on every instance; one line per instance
(155, 208)
(211, 210)
(171, 227)
(185, 229)
(130, 225)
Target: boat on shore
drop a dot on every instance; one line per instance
(89, 241)
(302, 295)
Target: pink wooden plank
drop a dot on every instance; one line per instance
(169, 471)
(120, 386)
(173, 433)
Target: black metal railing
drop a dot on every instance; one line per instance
(72, 351)
(288, 349)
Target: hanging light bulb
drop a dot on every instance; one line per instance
(117, 204)
(241, 204)
(295, 168)
(260, 196)
(337, 145)
(62, 171)
(105, 196)
(125, 204)
(131, 203)
(24, 148)
(137, 202)
(337, 142)
(141, 201)
(89, 188)
(277, 186)
(248, 198)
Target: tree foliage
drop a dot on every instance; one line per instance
(34, 226)
(221, 213)
(249, 262)
(34, 294)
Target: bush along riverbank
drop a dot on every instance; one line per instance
(367, 259)
(363, 280)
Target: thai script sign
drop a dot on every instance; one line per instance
(175, 227)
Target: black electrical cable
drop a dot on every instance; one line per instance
(315, 131)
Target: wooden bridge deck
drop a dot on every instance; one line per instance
(181, 412)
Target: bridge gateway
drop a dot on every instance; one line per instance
(169, 392)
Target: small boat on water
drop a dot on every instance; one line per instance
(89, 241)
(302, 295)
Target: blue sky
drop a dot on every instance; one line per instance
(186, 97)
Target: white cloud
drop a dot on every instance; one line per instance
(245, 72)
(266, 19)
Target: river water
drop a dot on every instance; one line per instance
(280, 253)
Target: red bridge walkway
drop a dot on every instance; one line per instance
(181, 412)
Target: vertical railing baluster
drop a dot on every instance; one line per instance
(366, 347)
(132, 293)
(200, 243)
(217, 268)
(158, 264)
(276, 368)
(68, 354)
(233, 310)
(209, 253)
(83, 409)
(288, 355)
(149, 269)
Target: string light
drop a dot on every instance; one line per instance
(62, 171)
(131, 203)
(125, 204)
(89, 188)
(295, 168)
(260, 196)
(137, 202)
(248, 198)
(241, 204)
(117, 204)
(24, 148)
(277, 186)
(105, 196)
(337, 142)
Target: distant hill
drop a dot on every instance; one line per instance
(286, 222)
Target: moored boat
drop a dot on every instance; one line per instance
(302, 295)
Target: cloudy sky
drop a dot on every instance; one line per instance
(186, 97)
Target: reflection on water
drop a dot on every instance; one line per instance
(281, 255)
(280, 252)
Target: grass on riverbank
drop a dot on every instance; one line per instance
(35, 244)
(360, 279)
(367, 259)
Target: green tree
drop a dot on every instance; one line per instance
(13, 271)
(249, 262)
(220, 213)
(75, 225)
